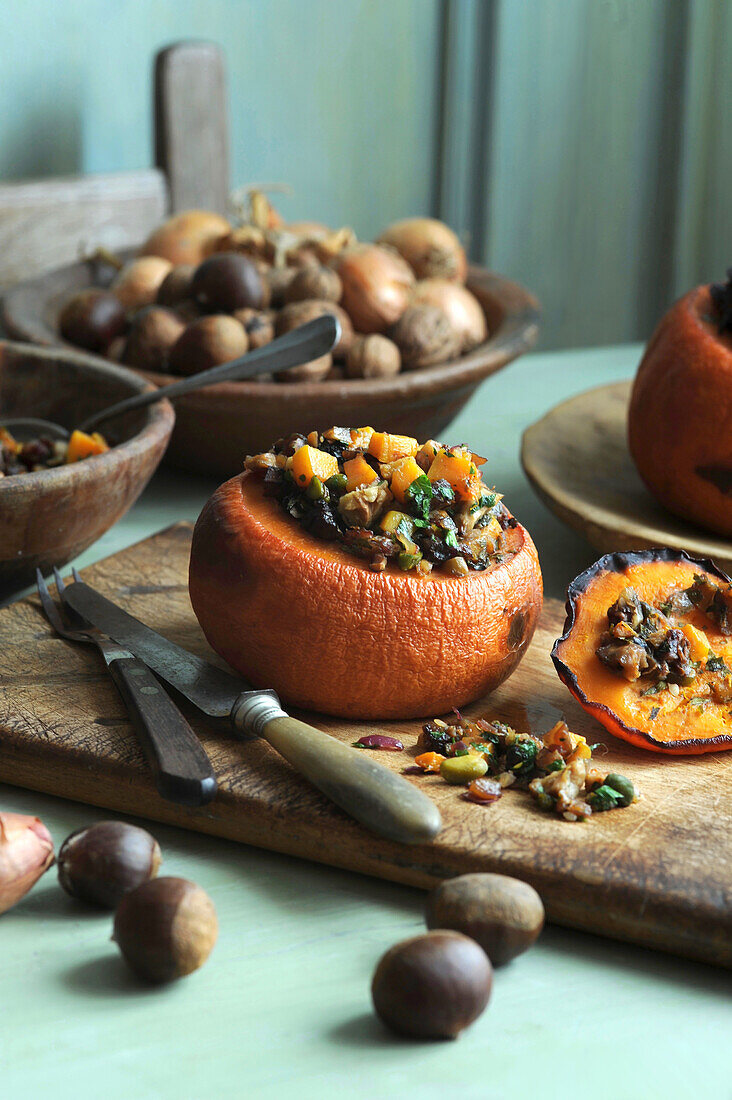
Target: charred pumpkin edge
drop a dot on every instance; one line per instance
(617, 563)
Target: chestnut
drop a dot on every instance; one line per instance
(503, 914)
(207, 342)
(313, 371)
(92, 319)
(432, 986)
(228, 281)
(165, 929)
(176, 286)
(102, 862)
(152, 334)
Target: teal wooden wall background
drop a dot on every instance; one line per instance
(580, 146)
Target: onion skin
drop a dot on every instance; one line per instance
(462, 309)
(26, 851)
(429, 246)
(138, 283)
(186, 238)
(377, 285)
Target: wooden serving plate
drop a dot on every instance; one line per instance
(577, 459)
(217, 426)
(658, 873)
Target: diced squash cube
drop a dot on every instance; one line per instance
(699, 647)
(361, 437)
(460, 472)
(405, 472)
(309, 462)
(358, 472)
(82, 445)
(388, 448)
(313, 439)
(428, 452)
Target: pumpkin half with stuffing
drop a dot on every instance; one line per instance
(363, 575)
(680, 414)
(647, 649)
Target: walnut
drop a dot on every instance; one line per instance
(258, 324)
(279, 278)
(299, 313)
(314, 282)
(362, 506)
(424, 337)
(373, 356)
(314, 371)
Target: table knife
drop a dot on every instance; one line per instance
(378, 798)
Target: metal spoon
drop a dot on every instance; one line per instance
(303, 344)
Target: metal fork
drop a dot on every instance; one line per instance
(181, 768)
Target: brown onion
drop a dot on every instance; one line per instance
(462, 309)
(429, 246)
(377, 284)
(138, 282)
(186, 238)
(26, 851)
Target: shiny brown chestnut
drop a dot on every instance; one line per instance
(228, 281)
(176, 286)
(432, 986)
(92, 319)
(102, 862)
(503, 914)
(166, 928)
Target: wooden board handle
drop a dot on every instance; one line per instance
(380, 799)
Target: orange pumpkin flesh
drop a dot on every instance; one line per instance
(313, 622)
(679, 726)
(680, 414)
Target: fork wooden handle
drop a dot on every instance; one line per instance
(182, 770)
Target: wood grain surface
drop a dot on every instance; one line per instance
(658, 873)
(577, 459)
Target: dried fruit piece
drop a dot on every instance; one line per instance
(379, 741)
(485, 791)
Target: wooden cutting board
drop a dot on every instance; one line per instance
(658, 873)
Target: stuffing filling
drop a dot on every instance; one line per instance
(388, 499)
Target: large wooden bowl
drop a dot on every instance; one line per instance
(48, 517)
(216, 427)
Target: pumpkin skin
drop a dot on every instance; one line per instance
(608, 697)
(680, 415)
(308, 619)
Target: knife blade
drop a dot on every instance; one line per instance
(209, 688)
(380, 799)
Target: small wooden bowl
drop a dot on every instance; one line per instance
(48, 517)
(216, 427)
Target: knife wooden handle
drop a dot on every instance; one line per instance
(182, 770)
(380, 799)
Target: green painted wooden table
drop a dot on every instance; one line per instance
(282, 1008)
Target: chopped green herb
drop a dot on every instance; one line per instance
(716, 664)
(556, 766)
(451, 540)
(521, 756)
(654, 712)
(605, 798)
(419, 495)
(655, 688)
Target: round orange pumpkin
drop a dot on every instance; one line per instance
(311, 621)
(680, 415)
